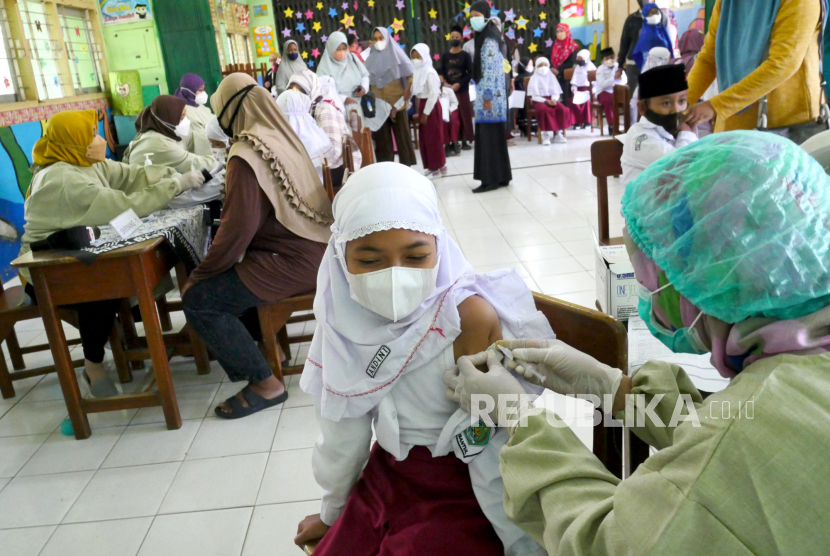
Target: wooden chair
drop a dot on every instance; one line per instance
(530, 116)
(348, 159)
(367, 152)
(622, 100)
(605, 162)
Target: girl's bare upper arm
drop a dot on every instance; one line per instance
(479, 327)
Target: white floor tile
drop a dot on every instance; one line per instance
(274, 527)
(219, 437)
(580, 247)
(588, 262)
(492, 257)
(288, 478)
(296, 396)
(220, 532)
(28, 541)
(548, 267)
(40, 500)
(5, 408)
(61, 454)
(122, 537)
(216, 483)
(573, 234)
(33, 418)
(49, 388)
(123, 492)
(587, 298)
(565, 283)
(4, 482)
(153, 443)
(15, 451)
(194, 403)
(297, 429)
(529, 239)
(541, 252)
(184, 373)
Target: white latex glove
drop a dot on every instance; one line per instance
(568, 371)
(191, 180)
(497, 384)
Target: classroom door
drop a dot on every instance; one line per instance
(188, 44)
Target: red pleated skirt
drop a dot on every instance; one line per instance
(552, 118)
(431, 137)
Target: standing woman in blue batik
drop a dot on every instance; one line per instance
(492, 162)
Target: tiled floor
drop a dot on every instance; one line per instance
(240, 487)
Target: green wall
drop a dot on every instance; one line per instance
(136, 46)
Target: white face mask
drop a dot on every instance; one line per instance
(183, 129)
(654, 19)
(417, 63)
(609, 63)
(395, 292)
(380, 45)
(201, 99)
(529, 68)
(542, 70)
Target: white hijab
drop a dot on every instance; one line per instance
(580, 77)
(544, 85)
(425, 73)
(296, 107)
(348, 337)
(657, 56)
(329, 89)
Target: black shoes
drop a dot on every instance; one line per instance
(465, 146)
(611, 130)
(484, 188)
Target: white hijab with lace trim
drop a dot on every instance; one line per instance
(349, 337)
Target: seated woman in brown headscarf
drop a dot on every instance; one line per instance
(273, 233)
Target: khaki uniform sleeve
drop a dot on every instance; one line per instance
(145, 190)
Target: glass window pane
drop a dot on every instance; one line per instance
(79, 49)
(44, 58)
(8, 91)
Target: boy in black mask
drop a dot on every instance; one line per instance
(456, 70)
(661, 129)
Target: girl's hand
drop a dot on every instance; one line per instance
(310, 529)
(350, 101)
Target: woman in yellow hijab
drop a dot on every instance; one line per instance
(74, 184)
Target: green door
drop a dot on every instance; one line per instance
(188, 43)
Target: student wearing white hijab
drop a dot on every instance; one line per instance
(396, 303)
(296, 107)
(327, 111)
(291, 63)
(552, 116)
(348, 72)
(390, 75)
(426, 86)
(581, 87)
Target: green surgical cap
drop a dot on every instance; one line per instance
(740, 224)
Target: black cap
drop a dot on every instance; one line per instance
(606, 52)
(663, 80)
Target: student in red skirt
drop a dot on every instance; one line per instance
(426, 89)
(552, 116)
(581, 87)
(397, 304)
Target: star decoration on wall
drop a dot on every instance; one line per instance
(432, 13)
(298, 15)
(400, 4)
(521, 23)
(397, 25)
(509, 15)
(447, 37)
(332, 13)
(309, 14)
(548, 43)
(300, 27)
(371, 3)
(316, 27)
(537, 32)
(494, 12)
(305, 55)
(366, 20)
(543, 25)
(520, 40)
(307, 37)
(434, 28)
(511, 33)
(542, 2)
(347, 21)
(543, 15)
(286, 32)
(311, 63)
(436, 57)
(324, 38)
(345, 5)
(315, 53)
(467, 8)
(288, 12)
(532, 47)
(319, 5)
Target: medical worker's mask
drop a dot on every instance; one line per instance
(183, 129)
(380, 45)
(201, 99)
(417, 63)
(97, 150)
(654, 19)
(477, 23)
(393, 292)
(682, 340)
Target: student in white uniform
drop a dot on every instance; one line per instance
(663, 98)
(396, 304)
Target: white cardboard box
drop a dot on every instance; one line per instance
(616, 285)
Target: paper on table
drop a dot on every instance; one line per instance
(642, 347)
(516, 100)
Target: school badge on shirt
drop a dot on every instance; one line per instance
(474, 439)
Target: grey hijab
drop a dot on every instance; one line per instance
(288, 67)
(348, 73)
(388, 64)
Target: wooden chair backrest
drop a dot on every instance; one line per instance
(327, 185)
(348, 159)
(528, 102)
(569, 74)
(603, 338)
(366, 151)
(622, 100)
(605, 162)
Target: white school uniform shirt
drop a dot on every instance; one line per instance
(606, 79)
(449, 102)
(646, 142)
(415, 412)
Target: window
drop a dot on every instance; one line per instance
(44, 50)
(81, 50)
(595, 10)
(9, 80)
(231, 52)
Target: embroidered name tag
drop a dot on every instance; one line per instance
(377, 361)
(473, 440)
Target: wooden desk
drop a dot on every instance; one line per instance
(130, 271)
